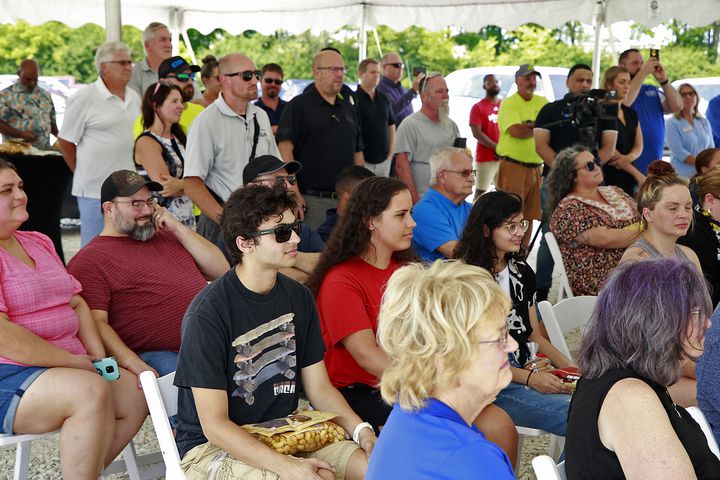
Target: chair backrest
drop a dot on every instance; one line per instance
(565, 290)
(564, 316)
(545, 468)
(161, 397)
(699, 417)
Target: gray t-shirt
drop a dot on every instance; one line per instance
(419, 137)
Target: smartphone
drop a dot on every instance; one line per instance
(107, 368)
(460, 142)
(418, 70)
(655, 53)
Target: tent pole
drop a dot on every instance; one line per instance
(188, 46)
(599, 18)
(113, 21)
(362, 50)
(377, 42)
(175, 29)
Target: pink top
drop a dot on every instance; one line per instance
(38, 299)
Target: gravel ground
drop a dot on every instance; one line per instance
(45, 460)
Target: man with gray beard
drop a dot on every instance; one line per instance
(422, 133)
(141, 273)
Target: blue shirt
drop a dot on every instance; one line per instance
(327, 227)
(684, 140)
(435, 443)
(708, 375)
(273, 115)
(439, 221)
(650, 114)
(713, 116)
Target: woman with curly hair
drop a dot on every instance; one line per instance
(592, 224)
(372, 240)
(493, 240)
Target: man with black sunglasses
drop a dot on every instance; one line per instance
(251, 339)
(270, 101)
(400, 97)
(223, 139)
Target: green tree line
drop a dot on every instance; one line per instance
(62, 50)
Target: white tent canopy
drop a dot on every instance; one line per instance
(267, 16)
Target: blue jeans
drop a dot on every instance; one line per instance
(545, 263)
(532, 409)
(163, 361)
(91, 219)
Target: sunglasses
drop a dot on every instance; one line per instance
(279, 180)
(247, 75)
(590, 166)
(396, 65)
(426, 79)
(273, 80)
(282, 232)
(183, 77)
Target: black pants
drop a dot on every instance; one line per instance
(367, 403)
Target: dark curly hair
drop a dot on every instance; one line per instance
(476, 245)
(154, 99)
(351, 237)
(247, 208)
(561, 179)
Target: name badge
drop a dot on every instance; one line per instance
(687, 129)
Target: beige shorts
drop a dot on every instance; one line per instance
(486, 174)
(208, 462)
(524, 181)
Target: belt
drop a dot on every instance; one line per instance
(524, 164)
(319, 193)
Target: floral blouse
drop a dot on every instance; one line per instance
(588, 266)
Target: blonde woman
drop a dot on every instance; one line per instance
(687, 133)
(444, 331)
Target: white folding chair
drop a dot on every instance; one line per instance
(556, 443)
(546, 469)
(565, 290)
(699, 417)
(564, 316)
(161, 396)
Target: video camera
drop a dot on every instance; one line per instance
(585, 111)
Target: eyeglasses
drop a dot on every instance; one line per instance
(426, 79)
(396, 65)
(183, 77)
(334, 69)
(282, 232)
(247, 75)
(139, 204)
(514, 228)
(687, 94)
(502, 341)
(463, 173)
(122, 63)
(279, 180)
(276, 81)
(590, 166)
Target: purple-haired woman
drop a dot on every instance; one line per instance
(649, 318)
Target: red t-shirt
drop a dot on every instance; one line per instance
(349, 301)
(485, 114)
(145, 287)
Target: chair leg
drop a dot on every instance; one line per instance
(22, 460)
(131, 465)
(521, 438)
(557, 445)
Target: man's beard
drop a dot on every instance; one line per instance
(272, 93)
(141, 233)
(493, 92)
(188, 92)
(444, 111)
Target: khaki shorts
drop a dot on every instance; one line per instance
(486, 174)
(524, 181)
(208, 462)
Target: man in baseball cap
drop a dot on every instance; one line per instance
(525, 70)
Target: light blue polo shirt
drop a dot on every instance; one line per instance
(439, 221)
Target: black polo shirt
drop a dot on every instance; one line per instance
(325, 137)
(273, 115)
(565, 135)
(375, 117)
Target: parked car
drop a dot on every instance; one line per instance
(707, 87)
(466, 89)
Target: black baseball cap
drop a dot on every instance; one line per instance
(175, 65)
(265, 164)
(124, 183)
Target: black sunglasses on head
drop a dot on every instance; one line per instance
(273, 80)
(282, 232)
(247, 75)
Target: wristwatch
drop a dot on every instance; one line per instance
(356, 432)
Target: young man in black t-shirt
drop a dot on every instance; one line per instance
(248, 339)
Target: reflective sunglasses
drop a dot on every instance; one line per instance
(273, 80)
(247, 75)
(590, 166)
(183, 77)
(514, 228)
(502, 341)
(282, 232)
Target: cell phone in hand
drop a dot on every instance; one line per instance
(107, 368)
(418, 70)
(655, 53)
